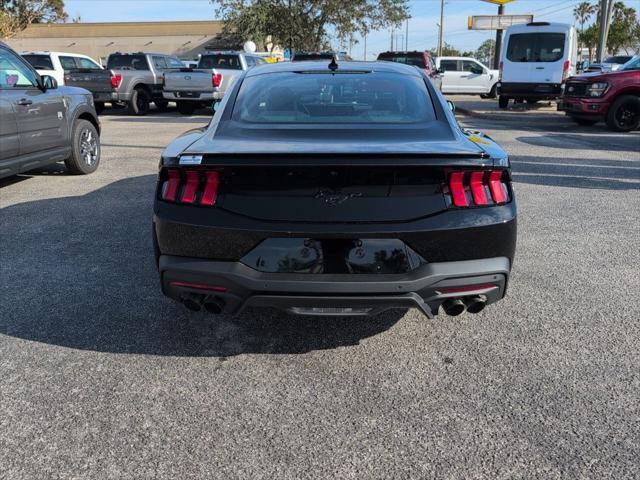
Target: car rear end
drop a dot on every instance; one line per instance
(190, 85)
(334, 218)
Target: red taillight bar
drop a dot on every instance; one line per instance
(467, 288)
(199, 286)
(193, 187)
(480, 183)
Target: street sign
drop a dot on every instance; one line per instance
(497, 22)
(499, 2)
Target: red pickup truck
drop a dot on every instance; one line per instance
(612, 96)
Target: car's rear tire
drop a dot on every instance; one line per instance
(85, 148)
(99, 107)
(140, 102)
(503, 102)
(186, 108)
(492, 93)
(532, 101)
(624, 114)
(584, 121)
(161, 104)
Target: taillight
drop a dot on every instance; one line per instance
(116, 80)
(500, 68)
(478, 188)
(193, 187)
(565, 69)
(216, 79)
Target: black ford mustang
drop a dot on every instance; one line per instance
(334, 190)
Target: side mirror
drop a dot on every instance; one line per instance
(440, 70)
(48, 83)
(452, 106)
(477, 70)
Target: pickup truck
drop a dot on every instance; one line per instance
(75, 70)
(610, 96)
(467, 76)
(193, 88)
(139, 78)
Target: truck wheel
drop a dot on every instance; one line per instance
(503, 102)
(532, 101)
(186, 108)
(85, 145)
(99, 107)
(584, 121)
(140, 101)
(492, 93)
(161, 104)
(624, 114)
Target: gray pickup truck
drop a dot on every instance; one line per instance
(139, 79)
(43, 123)
(193, 88)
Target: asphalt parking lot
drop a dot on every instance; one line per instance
(103, 377)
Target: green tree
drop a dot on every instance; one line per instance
(485, 51)
(16, 15)
(589, 38)
(306, 24)
(582, 13)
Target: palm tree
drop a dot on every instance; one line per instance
(583, 12)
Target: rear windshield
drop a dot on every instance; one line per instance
(536, 47)
(221, 62)
(315, 97)
(618, 59)
(128, 62)
(415, 60)
(39, 62)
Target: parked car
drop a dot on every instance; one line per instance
(139, 79)
(75, 70)
(536, 59)
(610, 64)
(336, 194)
(468, 76)
(421, 60)
(43, 123)
(610, 96)
(216, 73)
(314, 56)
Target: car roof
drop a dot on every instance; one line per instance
(48, 52)
(323, 66)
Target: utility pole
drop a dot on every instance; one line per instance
(393, 32)
(441, 31)
(606, 10)
(406, 38)
(365, 47)
(496, 56)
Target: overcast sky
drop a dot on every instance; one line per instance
(423, 32)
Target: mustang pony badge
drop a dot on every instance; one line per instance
(333, 198)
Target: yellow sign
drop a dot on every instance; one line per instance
(499, 2)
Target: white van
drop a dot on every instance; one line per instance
(536, 58)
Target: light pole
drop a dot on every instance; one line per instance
(441, 29)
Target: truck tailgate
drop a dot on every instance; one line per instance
(96, 81)
(188, 80)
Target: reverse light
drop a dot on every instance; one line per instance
(191, 187)
(597, 89)
(478, 188)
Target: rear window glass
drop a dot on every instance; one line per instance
(39, 62)
(617, 59)
(536, 47)
(128, 62)
(222, 62)
(415, 60)
(313, 97)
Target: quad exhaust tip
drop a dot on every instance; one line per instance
(475, 304)
(192, 302)
(453, 307)
(213, 305)
(456, 306)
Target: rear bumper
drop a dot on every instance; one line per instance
(104, 96)
(236, 286)
(178, 96)
(540, 91)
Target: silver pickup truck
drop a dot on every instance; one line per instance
(139, 77)
(193, 88)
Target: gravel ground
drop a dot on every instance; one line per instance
(102, 377)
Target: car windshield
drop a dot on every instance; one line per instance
(415, 60)
(347, 97)
(536, 47)
(128, 62)
(221, 62)
(39, 62)
(633, 64)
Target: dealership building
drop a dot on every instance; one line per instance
(185, 39)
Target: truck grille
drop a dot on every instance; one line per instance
(575, 89)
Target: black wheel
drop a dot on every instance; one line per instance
(85, 155)
(624, 114)
(492, 93)
(99, 107)
(585, 121)
(140, 102)
(161, 104)
(186, 108)
(503, 102)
